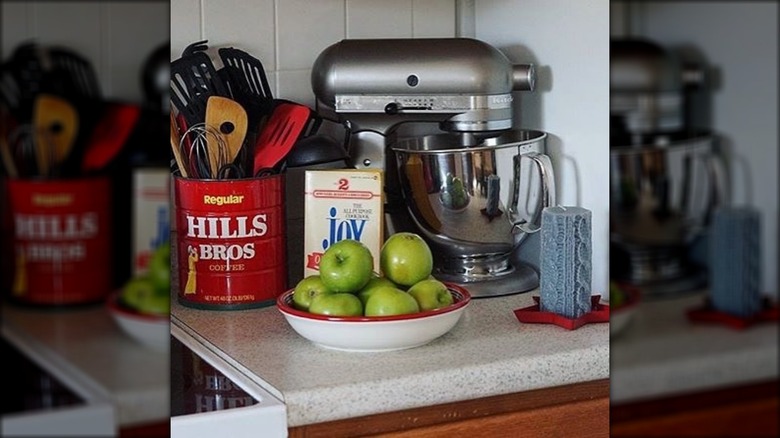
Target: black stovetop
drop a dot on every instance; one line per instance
(28, 387)
(198, 387)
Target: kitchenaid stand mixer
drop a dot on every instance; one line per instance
(460, 186)
(666, 175)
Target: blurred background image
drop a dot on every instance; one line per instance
(85, 217)
(693, 218)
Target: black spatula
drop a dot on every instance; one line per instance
(248, 83)
(193, 81)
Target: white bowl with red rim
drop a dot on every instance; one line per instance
(375, 333)
(150, 330)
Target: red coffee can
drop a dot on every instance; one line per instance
(61, 240)
(230, 242)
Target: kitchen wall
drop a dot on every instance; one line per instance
(568, 40)
(740, 41)
(105, 32)
(569, 43)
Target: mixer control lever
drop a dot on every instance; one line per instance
(392, 108)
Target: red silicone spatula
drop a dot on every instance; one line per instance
(110, 135)
(285, 125)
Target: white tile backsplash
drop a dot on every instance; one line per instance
(433, 18)
(288, 35)
(17, 25)
(295, 85)
(245, 24)
(186, 23)
(379, 19)
(75, 25)
(305, 28)
(105, 32)
(123, 56)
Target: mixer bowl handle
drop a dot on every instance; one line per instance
(544, 166)
(720, 188)
(718, 194)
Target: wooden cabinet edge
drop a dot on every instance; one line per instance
(533, 413)
(746, 410)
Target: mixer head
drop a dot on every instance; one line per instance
(462, 84)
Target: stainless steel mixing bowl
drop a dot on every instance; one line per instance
(473, 198)
(663, 195)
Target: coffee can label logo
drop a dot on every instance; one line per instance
(223, 200)
(61, 236)
(231, 242)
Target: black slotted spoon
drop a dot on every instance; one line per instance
(245, 72)
(193, 80)
(248, 83)
(76, 72)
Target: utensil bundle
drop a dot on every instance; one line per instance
(53, 121)
(226, 123)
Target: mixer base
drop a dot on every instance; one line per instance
(521, 279)
(659, 272)
(691, 283)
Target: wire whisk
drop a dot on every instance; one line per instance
(205, 154)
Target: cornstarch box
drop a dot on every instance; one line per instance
(341, 204)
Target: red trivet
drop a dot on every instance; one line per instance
(707, 314)
(533, 315)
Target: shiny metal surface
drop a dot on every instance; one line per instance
(464, 87)
(422, 66)
(648, 85)
(662, 196)
(461, 84)
(475, 204)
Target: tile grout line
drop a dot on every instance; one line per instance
(201, 10)
(104, 50)
(275, 12)
(346, 19)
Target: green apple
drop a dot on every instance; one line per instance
(157, 304)
(431, 294)
(373, 284)
(346, 266)
(141, 294)
(387, 301)
(306, 290)
(405, 259)
(159, 270)
(337, 304)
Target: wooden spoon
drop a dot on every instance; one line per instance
(55, 124)
(5, 150)
(229, 119)
(175, 140)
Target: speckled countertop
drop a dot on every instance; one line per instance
(660, 353)
(487, 353)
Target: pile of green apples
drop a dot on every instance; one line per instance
(150, 293)
(348, 286)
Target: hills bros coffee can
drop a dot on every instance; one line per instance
(61, 240)
(230, 242)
